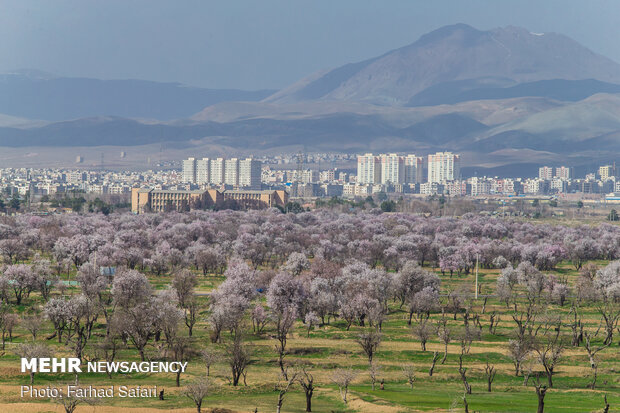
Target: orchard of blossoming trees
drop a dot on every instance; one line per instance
(325, 303)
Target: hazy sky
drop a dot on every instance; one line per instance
(253, 44)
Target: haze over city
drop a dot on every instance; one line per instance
(266, 45)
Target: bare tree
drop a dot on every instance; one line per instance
(209, 357)
(238, 358)
(34, 324)
(489, 372)
(518, 350)
(191, 310)
(409, 374)
(197, 391)
(576, 326)
(445, 336)
(524, 318)
(527, 368)
(433, 363)
(369, 341)
(549, 353)
(423, 331)
(373, 371)
(184, 284)
(8, 321)
(306, 381)
(466, 336)
(610, 311)
(285, 382)
(592, 350)
(463, 373)
(284, 323)
(343, 378)
(465, 403)
(494, 320)
(541, 391)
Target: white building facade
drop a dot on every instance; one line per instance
(443, 166)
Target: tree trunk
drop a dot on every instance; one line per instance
(308, 401)
(595, 371)
(541, 400)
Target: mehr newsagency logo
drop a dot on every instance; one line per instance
(74, 365)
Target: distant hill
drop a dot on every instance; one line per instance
(499, 57)
(464, 91)
(35, 96)
(442, 129)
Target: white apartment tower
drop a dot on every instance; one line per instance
(392, 168)
(250, 173)
(562, 172)
(189, 170)
(443, 166)
(545, 172)
(231, 171)
(202, 171)
(216, 171)
(606, 172)
(413, 169)
(368, 169)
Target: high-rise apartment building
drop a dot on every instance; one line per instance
(245, 173)
(392, 168)
(389, 168)
(563, 172)
(545, 172)
(231, 171)
(189, 170)
(250, 173)
(606, 172)
(216, 171)
(414, 168)
(202, 171)
(443, 166)
(368, 169)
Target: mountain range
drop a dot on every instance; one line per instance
(500, 97)
(38, 95)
